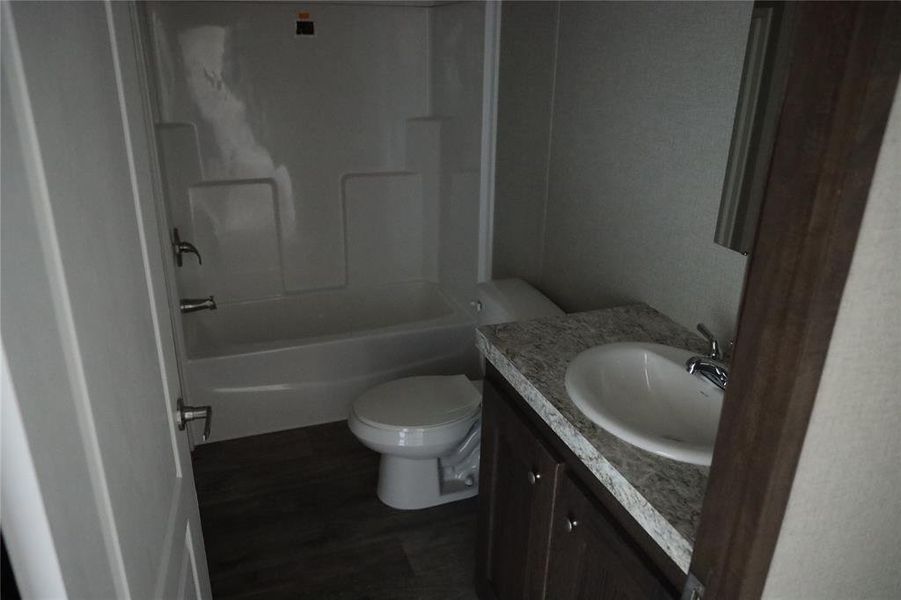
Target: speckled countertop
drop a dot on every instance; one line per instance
(664, 496)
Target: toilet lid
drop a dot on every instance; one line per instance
(418, 402)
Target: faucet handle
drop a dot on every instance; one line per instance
(181, 247)
(713, 345)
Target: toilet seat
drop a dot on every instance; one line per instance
(419, 403)
(416, 416)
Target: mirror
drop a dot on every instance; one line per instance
(756, 117)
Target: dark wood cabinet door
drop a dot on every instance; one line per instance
(518, 477)
(590, 556)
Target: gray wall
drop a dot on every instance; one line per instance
(843, 521)
(525, 94)
(642, 112)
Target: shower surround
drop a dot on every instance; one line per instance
(336, 174)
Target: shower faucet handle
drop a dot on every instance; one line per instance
(180, 247)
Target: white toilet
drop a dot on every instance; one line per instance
(427, 429)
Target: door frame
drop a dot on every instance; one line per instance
(842, 80)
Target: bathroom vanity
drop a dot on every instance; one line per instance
(567, 509)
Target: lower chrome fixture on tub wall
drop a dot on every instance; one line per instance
(189, 305)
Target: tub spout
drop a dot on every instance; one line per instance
(188, 305)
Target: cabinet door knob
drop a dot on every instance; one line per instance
(534, 476)
(571, 523)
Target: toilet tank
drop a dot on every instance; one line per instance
(505, 300)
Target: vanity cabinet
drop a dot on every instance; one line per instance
(545, 531)
(590, 557)
(519, 472)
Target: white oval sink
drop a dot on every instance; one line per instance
(643, 394)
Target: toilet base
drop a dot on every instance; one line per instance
(411, 483)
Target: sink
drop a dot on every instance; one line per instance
(643, 394)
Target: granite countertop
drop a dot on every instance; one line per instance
(664, 496)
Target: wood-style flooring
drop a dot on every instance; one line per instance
(294, 514)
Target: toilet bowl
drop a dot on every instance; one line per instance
(427, 429)
(419, 426)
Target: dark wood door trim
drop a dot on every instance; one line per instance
(842, 78)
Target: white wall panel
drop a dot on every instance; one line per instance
(236, 224)
(301, 111)
(385, 229)
(457, 50)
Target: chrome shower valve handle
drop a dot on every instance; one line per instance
(181, 247)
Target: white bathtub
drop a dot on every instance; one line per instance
(288, 362)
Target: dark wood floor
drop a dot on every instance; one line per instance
(294, 515)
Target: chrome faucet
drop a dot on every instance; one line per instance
(713, 345)
(714, 372)
(189, 305)
(711, 366)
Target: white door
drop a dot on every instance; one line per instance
(86, 322)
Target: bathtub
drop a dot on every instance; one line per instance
(292, 361)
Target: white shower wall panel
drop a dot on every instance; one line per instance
(456, 57)
(236, 224)
(385, 228)
(459, 250)
(425, 138)
(180, 161)
(238, 88)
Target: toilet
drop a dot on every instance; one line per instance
(428, 428)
